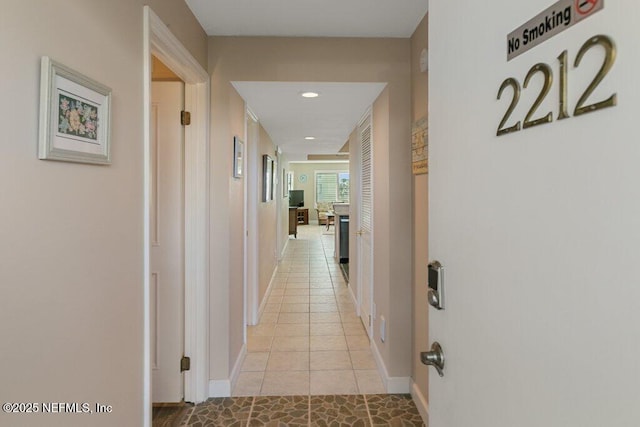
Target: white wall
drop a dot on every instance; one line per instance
(71, 235)
(547, 222)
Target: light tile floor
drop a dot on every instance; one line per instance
(309, 340)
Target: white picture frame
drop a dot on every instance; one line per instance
(75, 116)
(238, 157)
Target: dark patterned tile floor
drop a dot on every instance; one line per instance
(297, 411)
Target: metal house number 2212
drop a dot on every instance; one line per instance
(545, 70)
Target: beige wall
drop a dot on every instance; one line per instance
(267, 237)
(419, 87)
(71, 240)
(309, 187)
(329, 60)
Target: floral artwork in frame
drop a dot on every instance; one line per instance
(75, 114)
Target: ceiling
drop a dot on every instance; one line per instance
(288, 117)
(284, 114)
(309, 18)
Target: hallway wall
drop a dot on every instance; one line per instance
(334, 60)
(71, 235)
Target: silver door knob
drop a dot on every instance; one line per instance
(434, 358)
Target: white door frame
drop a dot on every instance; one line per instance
(372, 311)
(159, 41)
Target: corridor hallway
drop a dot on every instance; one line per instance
(309, 339)
(308, 360)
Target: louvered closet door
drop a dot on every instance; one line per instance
(365, 233)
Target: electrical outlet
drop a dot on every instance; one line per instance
(383, 328)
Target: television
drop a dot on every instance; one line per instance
(296, 198)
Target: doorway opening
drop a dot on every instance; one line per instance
(161, 43)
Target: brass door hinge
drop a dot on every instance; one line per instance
(185, 363)
(185, 118)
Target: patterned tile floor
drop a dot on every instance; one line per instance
(297, 411)
(309, 339)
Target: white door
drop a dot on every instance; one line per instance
(365, 232)
(538, 230)
(167, 241)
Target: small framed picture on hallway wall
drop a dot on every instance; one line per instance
(75, 116)
(238, 157)
(267, 178)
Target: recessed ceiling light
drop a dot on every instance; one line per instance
(310, 94)
(309, 138)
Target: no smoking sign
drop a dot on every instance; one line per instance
(584, 7)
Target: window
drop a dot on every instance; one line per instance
(332, 187)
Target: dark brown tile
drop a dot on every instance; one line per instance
(170, 415)
(339, 411)
(396, 410)
(280, 411)
(222, 412)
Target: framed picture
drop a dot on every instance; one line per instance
(285, 184)
(267, 178)
(75, 116)
(238, 157)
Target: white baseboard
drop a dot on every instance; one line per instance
(238, 365)
(219, 388)
(354, 300)
(421, 402)
(263, 303)
(284, 249)
(393, 385)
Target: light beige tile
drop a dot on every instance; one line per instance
(294, 308)
(268, 318)
(358, 342)
(349, 317)
(278, 285)
(324, 318)
(320, 291)
(271, 308)
(300, 343)
(321, 285)
(298, 285)
(296, 292)
(292, 330)
(369, 382)
(362, 359)
(353, 328)
(288, 361)
(293, 383)
(255, 362)
(299, 318)
(261, 330)
(326, 329)
(274, 299)
(279, 291)
(333, 382)
(248, 384)
(296, 299)
(322, 299)
(326, 343)
(328, 360)
(346, 308)
(259, 344)
(323, 308)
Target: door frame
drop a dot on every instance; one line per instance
(372, 312)
(159, 41)
(252, 175)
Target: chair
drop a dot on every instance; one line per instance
(322, 208)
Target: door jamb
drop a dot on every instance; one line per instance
(159, 41)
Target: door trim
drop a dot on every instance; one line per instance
(159, 41)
